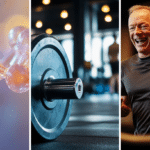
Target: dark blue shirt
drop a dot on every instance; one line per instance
(135, 83)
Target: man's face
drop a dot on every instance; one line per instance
(139, 30)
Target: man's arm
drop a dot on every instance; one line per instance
(125, 106)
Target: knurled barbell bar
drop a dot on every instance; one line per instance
(52, 87)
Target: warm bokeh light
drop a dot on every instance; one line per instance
(49, 31)
(105, 8)
(46, 2)
(64, 14)
(67, 26)
(39, 24)
(39, 9)
(108, 18)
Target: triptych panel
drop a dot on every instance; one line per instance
(74, 74)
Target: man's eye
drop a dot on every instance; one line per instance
(131, 28)
(144, 27)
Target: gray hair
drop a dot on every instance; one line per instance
(137, 7)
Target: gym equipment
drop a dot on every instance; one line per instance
(52, 87)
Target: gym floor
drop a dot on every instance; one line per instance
(93, 125)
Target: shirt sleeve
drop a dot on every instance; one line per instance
(123, 90)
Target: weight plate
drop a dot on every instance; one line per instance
(48, 59)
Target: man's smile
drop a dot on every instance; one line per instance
(141, 41)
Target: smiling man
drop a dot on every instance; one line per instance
(135, 75)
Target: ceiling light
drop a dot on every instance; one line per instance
(39, 24)
(39, 9)
(49, 31)
(46, 2)
(64, 14)
(108, 18)
(105, 8)
(67, 26)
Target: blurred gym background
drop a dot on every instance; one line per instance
(86, 29)
(85, 32)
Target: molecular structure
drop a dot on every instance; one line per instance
(17, 74)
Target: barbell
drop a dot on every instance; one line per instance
(52, 87)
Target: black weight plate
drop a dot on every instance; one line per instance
(48, 59)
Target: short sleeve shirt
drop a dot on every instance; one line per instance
(135, 83)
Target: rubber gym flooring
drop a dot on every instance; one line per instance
(93, 125)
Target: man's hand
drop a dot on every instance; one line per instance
(125, 107)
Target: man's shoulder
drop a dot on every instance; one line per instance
(126, 65)
(129, 61)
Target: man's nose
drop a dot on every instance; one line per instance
(137, 31)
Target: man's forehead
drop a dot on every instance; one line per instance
(140, 15)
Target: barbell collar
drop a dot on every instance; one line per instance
(63, 88)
